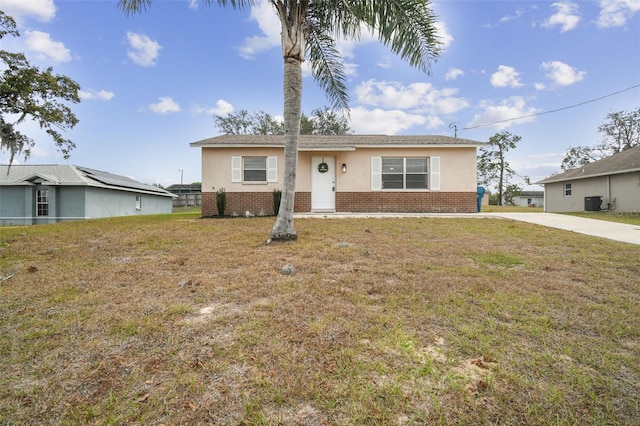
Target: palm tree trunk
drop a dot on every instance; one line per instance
(283, 228)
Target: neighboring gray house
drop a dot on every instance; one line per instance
(35, 194)
(611, 183)
(529, 199)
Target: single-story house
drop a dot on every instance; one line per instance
(349, 173)
(529, 199)
(35, 194)
(612, 183)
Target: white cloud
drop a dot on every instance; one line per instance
(165, 106)
(193, 4)
(222, 107)
(517, 14)
(567, 16)
(41, 152)
(144, 51)
(506, 77)
(444, 35)
(508, 109)
(562, 74)
(379, 121)
(270, 27)
(42, 10)
(453, 74)
(422, 96)
(100, 95)
(615, 13)
(45, 48)
(384, 62)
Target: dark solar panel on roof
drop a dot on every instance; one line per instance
(116, 180)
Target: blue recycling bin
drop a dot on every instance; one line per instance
(480, 195)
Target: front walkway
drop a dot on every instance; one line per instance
(616, 231)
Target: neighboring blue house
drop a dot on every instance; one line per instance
(35, 194)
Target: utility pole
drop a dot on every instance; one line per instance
(181, 175)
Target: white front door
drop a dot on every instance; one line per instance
(323, 184)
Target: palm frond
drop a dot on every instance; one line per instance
(131, 7)
(407, 27)
(326, 65)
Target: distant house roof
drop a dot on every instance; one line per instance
(334, 143)
(70, 175)
(184, 188)
(627, 161)
(532, 194)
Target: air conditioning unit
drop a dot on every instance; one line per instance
(592, 204)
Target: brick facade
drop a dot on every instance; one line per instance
(356, 202)
(406, 202)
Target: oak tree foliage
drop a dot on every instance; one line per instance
(620, 131)
(321, 122)
(29, 92)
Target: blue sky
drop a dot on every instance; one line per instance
(151, 82)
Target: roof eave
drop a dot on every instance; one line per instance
(426, 145)
(233, 145)
(587, 176)
(335, 148)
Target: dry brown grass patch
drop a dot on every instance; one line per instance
(178, 320)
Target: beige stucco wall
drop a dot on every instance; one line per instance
(216, 169)
(624, 188)
(457, 168)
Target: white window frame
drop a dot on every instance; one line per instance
(567, 190)
(237, 169)
(138, 202)
(433, 174)
(42, 202)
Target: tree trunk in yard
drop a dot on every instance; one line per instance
(283, 228)
(293, 48)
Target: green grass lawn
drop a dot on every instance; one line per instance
(510, 209)
(632, 218)
(179, 320)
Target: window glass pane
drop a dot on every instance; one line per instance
(255, 169)
(253, 163)
(255, 175)
(392, 181)
(42, 202)
(392, 165)
(417, 181)
(416, 165)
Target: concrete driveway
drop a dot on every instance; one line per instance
(598, 228)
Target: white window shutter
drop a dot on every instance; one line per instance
(272, 169)
(236, 169)
(435, 174)
(376, 173)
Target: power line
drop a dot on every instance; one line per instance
(549, 112)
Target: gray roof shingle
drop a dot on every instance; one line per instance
(626, 161)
